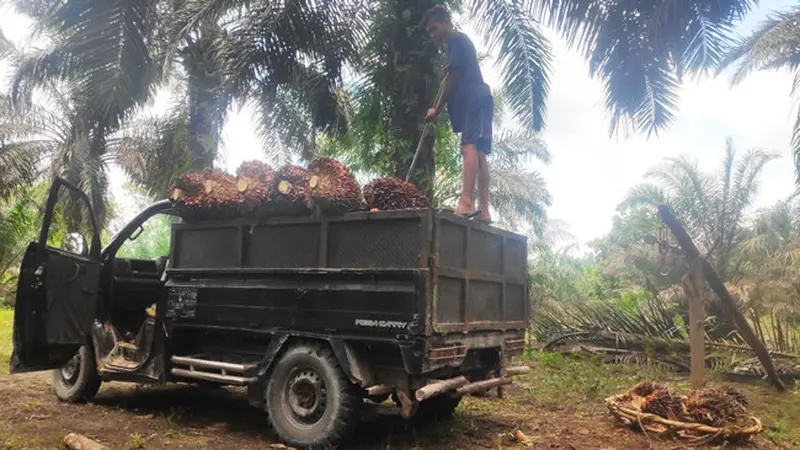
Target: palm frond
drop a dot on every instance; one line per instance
(524, 56)
(774, 44)
(640, 50)
(154, 152)
(520, 147)
(520, 194)
(104, 50)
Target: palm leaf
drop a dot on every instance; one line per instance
(523, 54)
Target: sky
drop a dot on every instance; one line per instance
(590, 172)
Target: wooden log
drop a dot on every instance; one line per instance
(693, 287)
(406, 406)
(74, 441)
(727, 302)
(436, 388)
(379, 389)
(484, 385)
(517, 370)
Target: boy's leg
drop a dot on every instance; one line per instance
(483, 188)
(476, 143)
(466, 204)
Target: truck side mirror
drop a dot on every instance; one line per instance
(75, 243)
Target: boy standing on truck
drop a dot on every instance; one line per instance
(471, 109)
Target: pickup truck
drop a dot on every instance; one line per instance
(314, 316)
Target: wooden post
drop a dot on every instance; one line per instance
(727, 302)
(693, 287)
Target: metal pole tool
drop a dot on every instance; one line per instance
(428, 126)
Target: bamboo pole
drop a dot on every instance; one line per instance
(728, 304)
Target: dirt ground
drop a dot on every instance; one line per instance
(128, 417)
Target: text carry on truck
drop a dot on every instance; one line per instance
(313, 315)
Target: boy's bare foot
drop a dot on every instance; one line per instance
(464, 209)
(484, 216)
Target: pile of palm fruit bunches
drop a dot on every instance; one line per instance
(258, 190)
(718, 406)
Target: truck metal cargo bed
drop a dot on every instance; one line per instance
(436, 273)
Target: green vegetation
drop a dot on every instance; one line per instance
(6, 332)
(581, 384)
(152, 241)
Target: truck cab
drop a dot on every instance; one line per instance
(315, 316)
(84, 311)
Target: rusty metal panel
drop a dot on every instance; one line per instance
(483, 301)
(449, 307)
(515, 302)
(481, 277)
(452, 251)
(485, 251)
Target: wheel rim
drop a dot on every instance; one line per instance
(70, 370)
(306, 396)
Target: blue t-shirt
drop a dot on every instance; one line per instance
(469, 91)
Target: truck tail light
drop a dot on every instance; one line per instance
(446, 353)
(514, 344)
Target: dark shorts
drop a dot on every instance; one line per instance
(477, 127)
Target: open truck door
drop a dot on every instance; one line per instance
(57, 292)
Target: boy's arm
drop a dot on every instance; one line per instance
(447, 90)
(455, 60)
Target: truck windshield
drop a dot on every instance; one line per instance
(152, 241)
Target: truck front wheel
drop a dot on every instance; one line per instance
(310, 401)
(77, 381)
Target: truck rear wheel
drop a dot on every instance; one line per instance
(77, 381)
(440, 407)
(310, 401)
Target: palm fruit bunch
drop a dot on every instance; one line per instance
(255, 181)
(211, 194)
(291, 193)
(662, 402)
(645, 388)
(392, 193)
(333, 187)
(716, 406)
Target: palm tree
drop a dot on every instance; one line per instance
(115, 55)
(774, 45)
(49, 137)
(712, 206)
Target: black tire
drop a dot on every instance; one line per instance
(311, 403)
(78, 380)
(440, 407)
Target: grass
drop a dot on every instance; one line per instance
(6, 330)
(575, 386)
(581, 384)
(557, 379)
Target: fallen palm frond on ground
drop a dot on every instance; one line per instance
(651, 332)
(705, 416)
